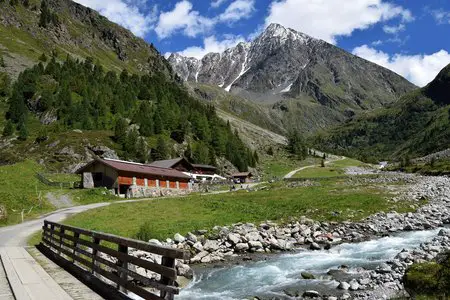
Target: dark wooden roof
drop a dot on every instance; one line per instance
(199, 166)
(126, 166)
(242, 174)
(168, 163)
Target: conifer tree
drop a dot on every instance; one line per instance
(8, 130)
(43, 57)
(120, 130)
(161, 151)
(23, 132)
(142, 151)
(130, 146)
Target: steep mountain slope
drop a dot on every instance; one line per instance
(418, 124)
(282, 65)
(83, 85)
(71, 29)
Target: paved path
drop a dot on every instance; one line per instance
(292, 173)
(17, 235)
(27, 278)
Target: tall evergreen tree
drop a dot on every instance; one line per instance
(161, 151)
(23, 132)
(8, 130)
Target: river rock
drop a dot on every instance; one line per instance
(314, 246)
(255, 244)
(384, 268)
(185, 271)
(198, 247)
(241, 247)
(191, 237)
(311, 294)
(354, 286)
(211, 245)
(364, 281)
(154, 242)
(253, 236)
(206, 259)
(199, 256)
(343, 286)
(178, 238)
(307, 275)
(234, 238)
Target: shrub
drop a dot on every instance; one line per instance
(145, 232)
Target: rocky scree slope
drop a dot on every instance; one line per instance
(283, 64)
(78, 31)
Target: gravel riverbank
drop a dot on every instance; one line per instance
(224, 243)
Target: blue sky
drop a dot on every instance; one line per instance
(410, 37)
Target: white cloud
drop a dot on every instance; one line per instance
(419, 69)
(239, 9)
(217, 3)
(394, 29)
(125, 13)
(377, 43)
(182, 17)
(441, 16)
(211, 44)
(326, 19)
(191, 23)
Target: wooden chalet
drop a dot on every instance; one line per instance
(121, 175)
(242, 177)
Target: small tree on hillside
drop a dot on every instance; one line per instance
(23, 132)
(43, 57)
(9, 129)
(161, 151)
(297, 145)
(120, 130)
(2, 61)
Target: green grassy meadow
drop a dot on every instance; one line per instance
(161, 218)
(21, 190)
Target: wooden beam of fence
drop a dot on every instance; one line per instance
(83, 247)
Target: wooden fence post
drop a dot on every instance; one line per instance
(123, 264)
(168, 262)
(76, 235)
(94, 255)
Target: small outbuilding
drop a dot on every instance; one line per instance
(242, 177)
(133, 179)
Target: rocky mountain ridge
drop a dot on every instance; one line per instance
(308, 82)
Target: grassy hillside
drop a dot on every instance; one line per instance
(79, 32)
(417, 125)
(22, 191)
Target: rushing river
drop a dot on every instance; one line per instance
(270, 277)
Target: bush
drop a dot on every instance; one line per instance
(430, 278)
(145, 232)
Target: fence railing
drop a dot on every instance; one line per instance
(67, 184)
(85, 249)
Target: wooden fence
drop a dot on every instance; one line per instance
(82, 249)
(67, 185)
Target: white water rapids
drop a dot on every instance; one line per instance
(270, 277)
